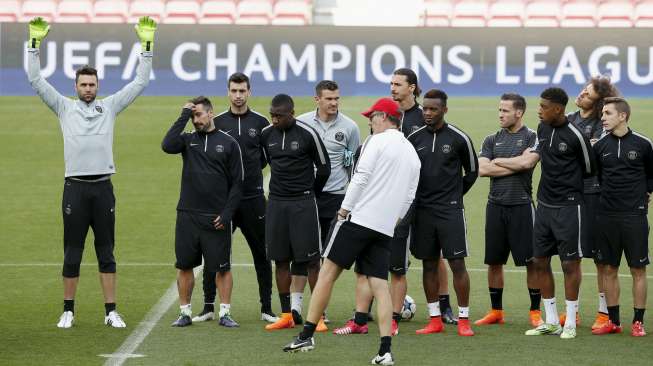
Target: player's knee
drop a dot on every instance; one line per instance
(299, 269)
(430, 265)
(457, 266)
(280, 266)
(107, 267)
(70, 270)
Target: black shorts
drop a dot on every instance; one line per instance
(589, 224)
(558, 231)
(328, 205)
(509, 229)
(622, 234)
(195, 237)
(88, 204)
(439, 231)
(369, 249)
(292, 230)
(399, 255)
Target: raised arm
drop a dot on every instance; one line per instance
(38, 29)
(173, 142)
(145, 30)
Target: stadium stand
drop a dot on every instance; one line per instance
(429, 13)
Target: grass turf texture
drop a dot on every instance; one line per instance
(147, 189)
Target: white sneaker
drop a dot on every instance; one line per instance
(66, 320)
(203, 317)
(386, 359)
(270, 318)
(568, 333)
(114, 320)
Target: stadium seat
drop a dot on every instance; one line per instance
(218, 12)
(140, 8)
(9, 11)
(578, 14)
(437, 13)
(506, 13)
(254, 12)
(643, 15)
(542, 13)
(110, 11)
(74, 11)
(469, 13)
(291, 12)
(45, 9)
(181, 12)
(615, 14)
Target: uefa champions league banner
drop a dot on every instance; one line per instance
(195, 59)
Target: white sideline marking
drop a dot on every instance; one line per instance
(128, 355)
(146, 325)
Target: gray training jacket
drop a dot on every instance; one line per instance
(87, 128)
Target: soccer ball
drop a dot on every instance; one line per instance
(408, 309)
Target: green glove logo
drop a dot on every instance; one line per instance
(38, 29)
(145, 30)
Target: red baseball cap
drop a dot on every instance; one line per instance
(385, 105)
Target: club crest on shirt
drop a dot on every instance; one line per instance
(98, 109)
(414, 128)
(446, 149)
(519, 143)
(632, 155)
(562, 147)
(219, 148)
(294, 145)
(340, 136)
(251, 132)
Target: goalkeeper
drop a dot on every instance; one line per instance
(88, 200)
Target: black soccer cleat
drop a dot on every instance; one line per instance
(297, 317)
(300, 345)
(182, 321)
(448, 318)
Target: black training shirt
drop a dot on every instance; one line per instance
(412, 120)
(298, 160)
(625, 169)
(212, 175)
(592, 129)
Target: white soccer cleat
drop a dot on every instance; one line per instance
(114, 320)
(270, 318)
(386, 359)
(203, 317)
(66, 320)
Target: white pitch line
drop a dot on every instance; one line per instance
(144, 328)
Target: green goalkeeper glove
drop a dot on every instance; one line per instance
(38, 29)
(145, 30)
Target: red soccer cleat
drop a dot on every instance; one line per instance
(351, 327)
(394, 328)
(638, 330)
(434, 326)
(464, 329)
(607, 328)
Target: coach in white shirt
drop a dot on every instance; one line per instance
(380, 192)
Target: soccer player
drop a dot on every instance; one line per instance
(245, 125)
(439, 223)
(300, 167)
(566, 158)
(341, 138)
(509, 211)
(588, 120)
(211, 189)
(87, 125)
(378, 197)
(625, 170)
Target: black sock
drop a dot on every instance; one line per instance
(266, 309)
(536, 297)
(496, 295)
(444, 302)
(208, 307)
(285, 302)
(69, 305)
(639, 315)
(396, 317)
(613, 314)
(385, 345)
(109, 307)
(360, 318)
(309, 330)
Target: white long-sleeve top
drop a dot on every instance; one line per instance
(87, 128)
(384, 182)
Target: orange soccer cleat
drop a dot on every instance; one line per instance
(464, 329)
(601, 320)
(563, 317)
(607, 328)
(434, 326)
(535, 316)
(638, 330)
(492, 317)
(285, 321)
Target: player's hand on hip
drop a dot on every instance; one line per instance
(145, 30)
(38, 30)
(217, 223)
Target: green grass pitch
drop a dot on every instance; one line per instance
(147, 189)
